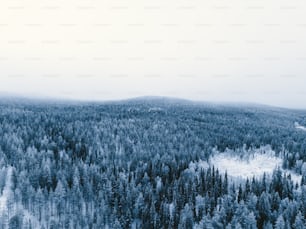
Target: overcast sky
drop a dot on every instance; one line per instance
(242, 50)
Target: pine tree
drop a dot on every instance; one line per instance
(264, 209)
(280, 223)
(299, 222)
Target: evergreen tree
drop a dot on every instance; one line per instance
(280, 223)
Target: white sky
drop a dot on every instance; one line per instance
(242, 50)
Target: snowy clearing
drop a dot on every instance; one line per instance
(255, 165)
(300, 127)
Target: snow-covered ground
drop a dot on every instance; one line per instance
(255, 165)
(300, 127)
(7, 191)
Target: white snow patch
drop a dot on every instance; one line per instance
(256, 166)
(155, 109)
(300, 127)
(296, 178)
(7, 191)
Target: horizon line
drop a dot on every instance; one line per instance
(63, 99)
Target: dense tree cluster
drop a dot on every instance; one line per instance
(128, 165)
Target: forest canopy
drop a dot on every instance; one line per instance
(127, 165)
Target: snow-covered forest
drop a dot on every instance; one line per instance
(153, 163)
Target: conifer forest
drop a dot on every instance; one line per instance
(150, 163)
